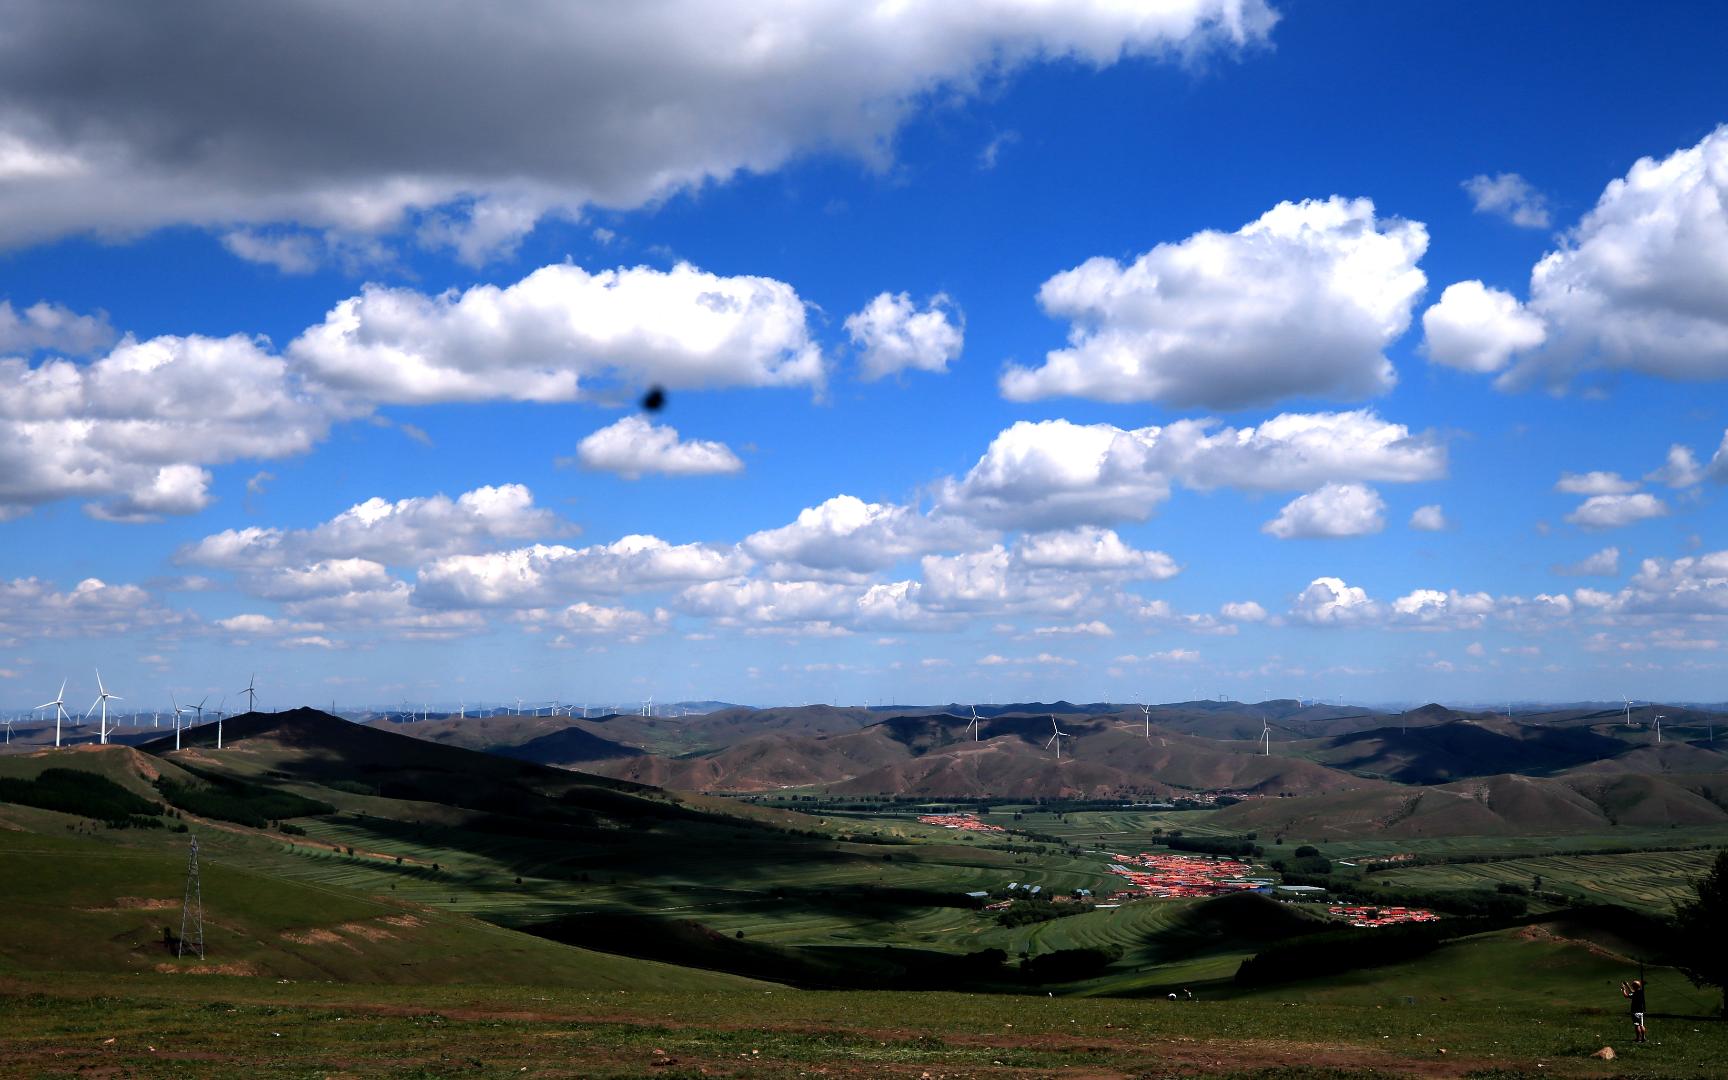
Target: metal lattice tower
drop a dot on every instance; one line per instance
(192, 909)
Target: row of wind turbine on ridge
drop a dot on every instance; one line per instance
(103, 697)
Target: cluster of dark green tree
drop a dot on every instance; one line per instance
(227, 799)
(1236, 847)
(72, 791)
(1027, 912)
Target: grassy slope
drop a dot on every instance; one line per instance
(1503, 1005)
(82, 905)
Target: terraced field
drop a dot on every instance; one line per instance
(1653, 881)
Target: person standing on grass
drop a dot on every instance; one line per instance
(1633, 992)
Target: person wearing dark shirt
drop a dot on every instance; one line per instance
(1633, 992)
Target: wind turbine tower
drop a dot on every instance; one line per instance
(1266, 737)
(1147, 709)
(973, 723)
(1056, 738)
(1659, 719)
(251, 693)
(102, 699)
(59, 707)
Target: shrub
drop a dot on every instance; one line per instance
(1068, 965)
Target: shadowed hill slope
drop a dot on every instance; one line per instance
(1493, 806)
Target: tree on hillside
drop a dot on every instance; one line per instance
(1703, 925)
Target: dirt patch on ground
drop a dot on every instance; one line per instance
(405, 921)
(314, 936)
(367, 931)
(137, 903)
(1538, 932)
(231, 968)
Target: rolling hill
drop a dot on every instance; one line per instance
(1503, 805)
(1454, 748)
(935, 755)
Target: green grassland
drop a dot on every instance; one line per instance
(1500, 1006)
(404, 916)
(73, 904)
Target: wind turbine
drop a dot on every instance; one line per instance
(59, 707)
(1057, 738)
(9, 731)
(1628, 702)
(973, 723)
(1147, 709)
(1266, 736)
(102, 697)
(518, 706)
(461, 709)
(251, 693)
(1659, 719)
(178, 710)
(219, 706)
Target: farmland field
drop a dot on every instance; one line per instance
(1651, 880)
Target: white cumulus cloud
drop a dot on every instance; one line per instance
(847, 533)
(635, 446)
(1247, 611)
(54, 328)
(1093, 550)
(1604, 563)
(1056, 473)
(1595, 483)
(1334, 510)
(134, 430)
(1302, 302)
(1679, 470)
(1328, 601)
(891, 334)
(546, 337)
(404, 532)
(1642, 282)
(1429, 519)
(550, 575)
(1614, 511)
(1510, 196)
(1477, 328)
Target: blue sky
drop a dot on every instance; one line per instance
(1364, 352)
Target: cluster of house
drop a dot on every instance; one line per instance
(1382, 860)
(1366, 915)
(1208, 798)
(1017, 891)
(1171, 876)
(968, 822)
